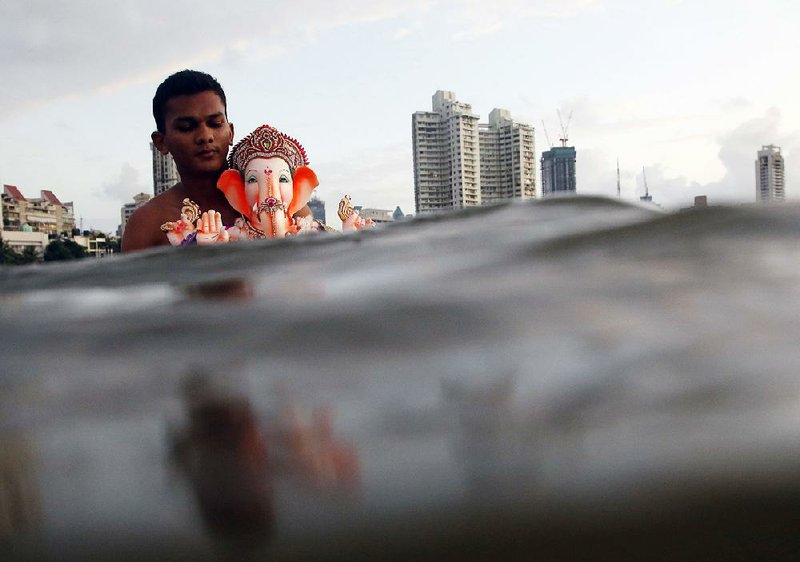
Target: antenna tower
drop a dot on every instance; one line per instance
(618, 188)
(646, 196)
(644, 179)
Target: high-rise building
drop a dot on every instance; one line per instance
(558, 170)
(459, 162)
(446, 155)
(508, 168)
(165, 172)
(128, 208)
(769, 174)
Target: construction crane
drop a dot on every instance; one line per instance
(564, 128)
(550, 144)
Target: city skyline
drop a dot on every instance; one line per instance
(460, 162)
(671, 86)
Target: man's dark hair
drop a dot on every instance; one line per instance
(183, 83)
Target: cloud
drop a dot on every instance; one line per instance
(473, 18)
(57, 50)
(408, 30)
(122, 188)
(736, 153)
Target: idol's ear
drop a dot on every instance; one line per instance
(232, 185)
(305, 181)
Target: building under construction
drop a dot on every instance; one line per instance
(558, 170)
(558, 164)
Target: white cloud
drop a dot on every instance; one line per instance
(63, 49)
(122, 188)
(736, 153)
(473, 18)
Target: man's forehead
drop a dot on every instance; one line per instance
(194, 106)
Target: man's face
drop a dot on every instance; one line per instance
(196, 133)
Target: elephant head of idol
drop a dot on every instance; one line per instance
(268, 181)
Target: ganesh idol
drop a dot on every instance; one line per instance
(267, 182)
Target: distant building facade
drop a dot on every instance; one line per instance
(459, 162)
(507, 163)
(96, 246)
(165, 172)
(558, 171)
(377, 215)
(128, 208)
(317, 207)
(770, 180)
(20, 240)
(44, 214)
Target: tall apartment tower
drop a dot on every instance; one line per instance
(165, 172)
(446, 155)
(558, 171)
(508, 169)
(770, 181)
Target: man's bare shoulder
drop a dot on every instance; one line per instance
(143, 229)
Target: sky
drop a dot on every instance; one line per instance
(687, 90)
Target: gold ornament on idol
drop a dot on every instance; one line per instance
(345, 208)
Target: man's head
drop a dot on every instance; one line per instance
(191, 116)
(184, 83)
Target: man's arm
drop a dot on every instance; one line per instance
(143, 230)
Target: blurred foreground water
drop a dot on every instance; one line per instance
(572, 378)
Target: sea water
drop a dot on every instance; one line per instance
(560, 360)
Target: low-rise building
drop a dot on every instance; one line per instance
(377, 215)
(96, 246)
(19, 240)
(45, 214)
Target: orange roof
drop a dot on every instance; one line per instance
(50, 196)
(13, 192)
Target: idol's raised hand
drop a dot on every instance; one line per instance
(179, 231)
(210, 229)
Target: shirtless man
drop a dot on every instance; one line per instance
(192, 124)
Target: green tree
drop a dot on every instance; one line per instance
(113, 245)
(64, 250)
(8, 255)
(29, 255)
